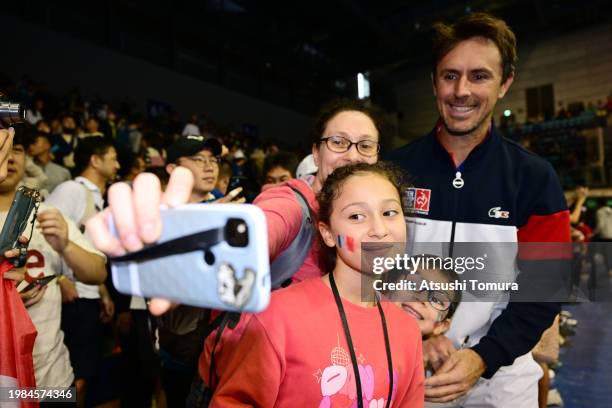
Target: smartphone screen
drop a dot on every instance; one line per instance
(235, 182)
(39, 281)
(249, 188)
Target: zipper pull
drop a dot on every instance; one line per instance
(458, 181)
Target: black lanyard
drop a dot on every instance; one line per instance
(349, 340)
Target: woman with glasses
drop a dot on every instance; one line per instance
(345, 132)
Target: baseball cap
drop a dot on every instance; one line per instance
(186, 146)
(239, 154)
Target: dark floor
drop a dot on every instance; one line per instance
(585, 378)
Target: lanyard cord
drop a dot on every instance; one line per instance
(349, 340)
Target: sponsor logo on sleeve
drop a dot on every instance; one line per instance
(416, 200)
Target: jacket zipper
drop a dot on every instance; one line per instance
(457, 184)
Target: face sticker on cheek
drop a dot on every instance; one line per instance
(346, 241)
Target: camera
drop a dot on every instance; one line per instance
(25, 202)
(11, 113)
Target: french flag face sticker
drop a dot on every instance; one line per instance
(345, 241)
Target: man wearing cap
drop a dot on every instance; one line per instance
(181, 331)
(200, 155)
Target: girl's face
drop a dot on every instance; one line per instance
(367, 210)
(352, 125)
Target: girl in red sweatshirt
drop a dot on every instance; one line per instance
(330, 342)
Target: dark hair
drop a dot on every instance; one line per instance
(127, 161)
(25, 134)
(34, 136)
(225, 169)
(41, 121)
(476, 25)
(332, 188)
(87, 147)
(334, 107)
(285, 160)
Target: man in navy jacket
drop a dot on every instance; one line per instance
(472, 185)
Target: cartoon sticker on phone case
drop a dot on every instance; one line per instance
(233, 291)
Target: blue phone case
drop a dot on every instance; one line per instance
(234, 278)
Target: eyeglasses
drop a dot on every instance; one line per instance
(340, 144)
(439, 300)
(202, 161)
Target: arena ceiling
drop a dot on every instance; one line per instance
(311, 48)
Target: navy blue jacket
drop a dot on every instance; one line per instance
(500, 193)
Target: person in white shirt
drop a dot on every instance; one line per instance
(191, 128)
(85, 306)
(34, 115)
(55, 243)
(40, 150)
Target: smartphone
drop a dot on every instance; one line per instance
(235, 182)
(38, 281)
(249, 188)
(25, 201)
(209, 255)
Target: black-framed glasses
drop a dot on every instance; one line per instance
(439, 300)
(340, 144)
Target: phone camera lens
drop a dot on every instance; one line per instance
(237, 232)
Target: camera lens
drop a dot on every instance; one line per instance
(237, 232)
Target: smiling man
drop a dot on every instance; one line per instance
(181, 331)
(201, 156)
(472, 185)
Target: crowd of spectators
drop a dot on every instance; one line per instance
(58, 122)
(72, 149)
(560, 139)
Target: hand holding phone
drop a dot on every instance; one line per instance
(40, 282)
(248, 188)
(136, 214)
(234, 196)
(208, 255)
(33, 296)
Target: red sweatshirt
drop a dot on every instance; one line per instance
(295, 354)
(284, 218)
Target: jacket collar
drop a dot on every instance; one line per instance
(490, 143)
